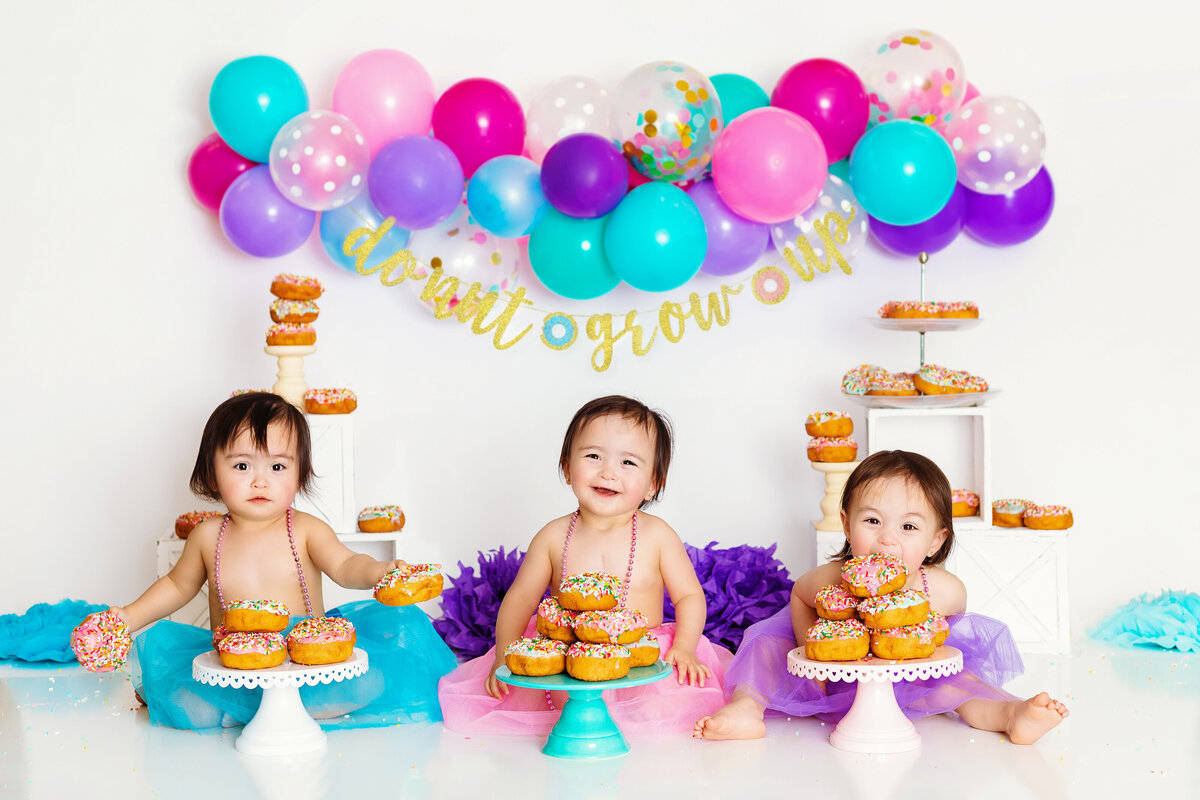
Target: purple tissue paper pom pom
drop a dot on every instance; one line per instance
(470, 603)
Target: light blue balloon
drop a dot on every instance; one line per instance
(656, 240)
(902, 172)
(251, 99)
(738, 94)
(505, 196)
(567, 256)
(360, 212)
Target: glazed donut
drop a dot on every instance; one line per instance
(1048, 518)
(245, 650)
(330, 401)
(644, 651)
(220, 633)
(910, 641)
(966, 503)
(829, 423)
(893, 384)
(414, 583)
(958, 310)
(909, 309)
(295, 287)
(188, 520)
(101, 642)
(255, 616)
(617, 626)
(321, 640)
(294, 311)
(874, 574)
(837, 640)
(590, 591)
(1007, 513)
(835, 602)
(941, 629)
(536, 656)
(290, 335)
(858, 379)
(555, 622)
(935, 379)
(597, 662)
(380, 519)
(824, 448)
(894, 610)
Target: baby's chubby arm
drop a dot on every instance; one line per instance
(691, 609)
(804, 591)
(344, 566)
(172, 591)
(521, 600)
(947, 594)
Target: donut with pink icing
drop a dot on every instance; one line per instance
(966, 503)
(101, 642)
(835, 602)
(187, 521)
(958, 310)
(321, 640)
(837, 640)
(247, 650)
(295, 287)
(894, 610)
(289, 334)
(1048, 518)
(554, 621)
(615, 626)
(941, 629)
(874, 574)
(832, 449)
(330, 401)
(909, 641)
(909, 309)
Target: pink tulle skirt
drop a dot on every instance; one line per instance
(641, 711)
(990, 659)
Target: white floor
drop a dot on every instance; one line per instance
(1134, 729)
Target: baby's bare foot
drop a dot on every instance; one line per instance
(741, 719)
(1031, 719)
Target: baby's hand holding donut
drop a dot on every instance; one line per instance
(688, 666)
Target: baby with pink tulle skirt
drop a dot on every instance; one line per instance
(614, 457)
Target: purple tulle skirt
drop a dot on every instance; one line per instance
(660, 707)
(759, 669)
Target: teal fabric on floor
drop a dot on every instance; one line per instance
(1170, 621)
(43, 633)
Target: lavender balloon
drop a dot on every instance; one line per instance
(584, 176)
(930, 236)
(734, 242)
(259, 220)
(1003, 219)
(417, 180)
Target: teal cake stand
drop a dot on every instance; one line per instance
(586, 729)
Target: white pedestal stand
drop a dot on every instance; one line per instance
(874, 723)
(836, 474)
(290, 383)
(282, 726)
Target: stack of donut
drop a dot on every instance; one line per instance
(1015, 512)
(293, 310)
(869, 379)
(831, 440)
(870, 611)
(251, 637)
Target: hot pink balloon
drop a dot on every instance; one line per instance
(769, 165)
(387, 94)
(479, 119)
(971, 93)
(211, 169)
(831, 96)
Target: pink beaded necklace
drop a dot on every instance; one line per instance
(295, 555)
(628, 569)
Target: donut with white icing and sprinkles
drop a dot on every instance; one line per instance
(909, 309)
(101, 642)
(536, 656)
(1007, 512)
(413, 583)
(381, 519)
(330, 401)
(554, 621)
(597, 662)
(936, 379)
(644, 651)
(835, 602)
(894, 610)
(1048, 518)
(321, 640)
(295, 287)
(958, 310)
(829, 423)
(589, 591)
(837, 640)
(893, 384)
(255, 616)
(294, 311)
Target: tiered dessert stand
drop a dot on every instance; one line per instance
(290, 383)
(875, 723)
(586, 730)
(281, 726)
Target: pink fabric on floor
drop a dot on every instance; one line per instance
(660, 707)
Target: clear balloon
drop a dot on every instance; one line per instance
(565, 106)
(734, 242)
(417, 180)
(251, 99)
(505, 196)
(655, 239)
(1004, 219)
(360, 212)
(902, 172)
(914, 75)
(667, 118)
(738, 94)
(834, 220)
(211, 169)
(257, 219)
(584, 175)
(829, 95)
(479, 119)
(999, 144)
(931, 236)
(567, 256)
(319, 160)
(387, 93)
(464, 250)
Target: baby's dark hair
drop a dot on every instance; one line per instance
(253, 412)
(655, 423)
(916, 469)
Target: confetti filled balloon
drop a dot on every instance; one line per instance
(319, 160)
(999, 144)
(567, 105)
(466, 251)
(667, 118)
(916, 75)
(837, 212)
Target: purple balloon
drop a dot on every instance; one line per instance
(1002, 219)
(734, 242)
(930, 236)
(259, 220)
(584, 175)
(417, 180)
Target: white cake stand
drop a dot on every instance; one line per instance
(282, 726)
(874, 723)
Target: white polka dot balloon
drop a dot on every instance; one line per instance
(567, 105)
(998, 142)
(850, 236)
(319, 160)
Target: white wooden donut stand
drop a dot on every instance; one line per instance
(290, 383)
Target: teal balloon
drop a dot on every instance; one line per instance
(902, 172)
(360, 212)
(656, 239)
(567, 256)
(251, 99)
(841, 169)
(738, 94)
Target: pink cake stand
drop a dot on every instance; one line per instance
(874, 723)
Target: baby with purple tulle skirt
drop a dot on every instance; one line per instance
(899, 503)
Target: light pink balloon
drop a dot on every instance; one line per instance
(769, 165)
(387, 94)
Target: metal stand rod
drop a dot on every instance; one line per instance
(924, 259)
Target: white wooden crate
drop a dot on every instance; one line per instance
(331, 495)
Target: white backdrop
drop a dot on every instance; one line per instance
(126, 317)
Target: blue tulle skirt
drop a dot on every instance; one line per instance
(1170, 621)
(407, 658)
(759, 669)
